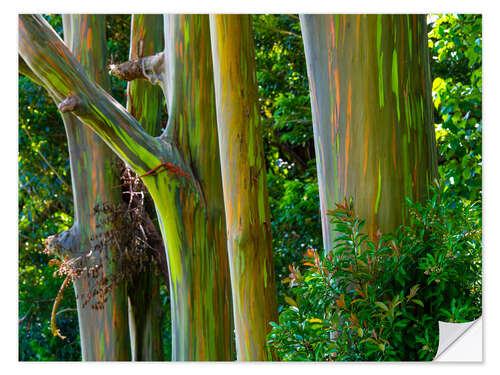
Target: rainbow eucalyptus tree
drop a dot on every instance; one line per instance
(369, 79)
(144, 102)
(95, 175)
(102, 315)
(180, 168)
(244, 184)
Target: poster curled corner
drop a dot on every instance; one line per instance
(460, 342)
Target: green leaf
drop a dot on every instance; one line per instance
(418, 302)
(382, 305)
(290, 301)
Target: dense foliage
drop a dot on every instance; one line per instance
(288, 139)
(455, 41)
(365, 299)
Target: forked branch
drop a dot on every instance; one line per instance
(48, 57)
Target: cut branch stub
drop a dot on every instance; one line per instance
(69, 104)
(64, 243)
(149, 68)
(128, 71)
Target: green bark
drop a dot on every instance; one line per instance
(244, 183)
(371, 103)
(144, 103)
(66, 80)
(195, 233)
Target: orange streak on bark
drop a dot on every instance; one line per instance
(358, 19)
(344, 23)
(349, 104)
(89, 39)
(106, 333)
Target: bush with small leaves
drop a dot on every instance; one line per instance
(381, 300)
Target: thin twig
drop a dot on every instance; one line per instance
(26, 315)
(53, 324)
(37, 300)
(272, 28)
(65, 310)
(45, 159)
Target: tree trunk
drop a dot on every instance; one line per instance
(144, 103)
(181, 169)
(102, 318)
(244, 184)
(369, 78)
(199, 272)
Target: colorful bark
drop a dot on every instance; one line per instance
(143, 100)
(104, 331)
(370, 90)
(181, 170)
(193, 221)
(65, 79)
(144, 103)
(244, 184)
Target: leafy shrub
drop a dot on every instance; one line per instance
(382, 299)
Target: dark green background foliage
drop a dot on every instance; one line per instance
(288, 139)
(45, 207)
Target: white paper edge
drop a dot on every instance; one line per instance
(460, 342)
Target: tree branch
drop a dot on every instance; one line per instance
(286, 32)
(287, 150)
(25, 70)
(150, 68)
(53, 325)
(50, 59)
(65, 243)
